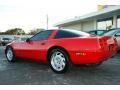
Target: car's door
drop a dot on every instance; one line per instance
(117, 35)
(35, 46)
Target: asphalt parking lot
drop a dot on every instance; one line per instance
(32, 73)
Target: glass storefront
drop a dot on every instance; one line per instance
(118, 22)
(105, 23)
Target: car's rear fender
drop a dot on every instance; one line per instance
(57, 47)
(73, 46)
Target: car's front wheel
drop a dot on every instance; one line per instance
(59, 61)
(10, 54)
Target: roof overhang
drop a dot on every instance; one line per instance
(106, 13)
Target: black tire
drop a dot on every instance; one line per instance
(118, 51)
(13, 59)
(66, 60)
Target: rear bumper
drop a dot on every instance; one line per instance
(91, 57)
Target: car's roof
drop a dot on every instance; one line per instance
(111, 32)
(97, 30)
(73, 31)
(117, 29)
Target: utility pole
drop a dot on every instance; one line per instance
(47, 21)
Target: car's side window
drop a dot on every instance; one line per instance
(44, 35)
(65, 34)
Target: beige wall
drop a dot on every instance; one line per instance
(88, 25)
(84, 26)
(73, 26)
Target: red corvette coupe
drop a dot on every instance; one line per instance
(60, 48)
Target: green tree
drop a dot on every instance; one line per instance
(15, 31)
(2, 33)
(35, 31)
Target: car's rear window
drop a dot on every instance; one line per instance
(68, 33)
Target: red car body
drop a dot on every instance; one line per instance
(81, 50)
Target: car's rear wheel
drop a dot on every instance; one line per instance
(10, 54)
(59, 61)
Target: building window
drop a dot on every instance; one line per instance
(105, 23)
(118, 21)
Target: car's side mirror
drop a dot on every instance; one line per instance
(28, 40)
(117, 35)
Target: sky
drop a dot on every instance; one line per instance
(31, 14)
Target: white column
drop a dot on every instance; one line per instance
(95, 24)
(114, 21)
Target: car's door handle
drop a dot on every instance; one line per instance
(43, 43)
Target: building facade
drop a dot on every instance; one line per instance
(106, 19)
